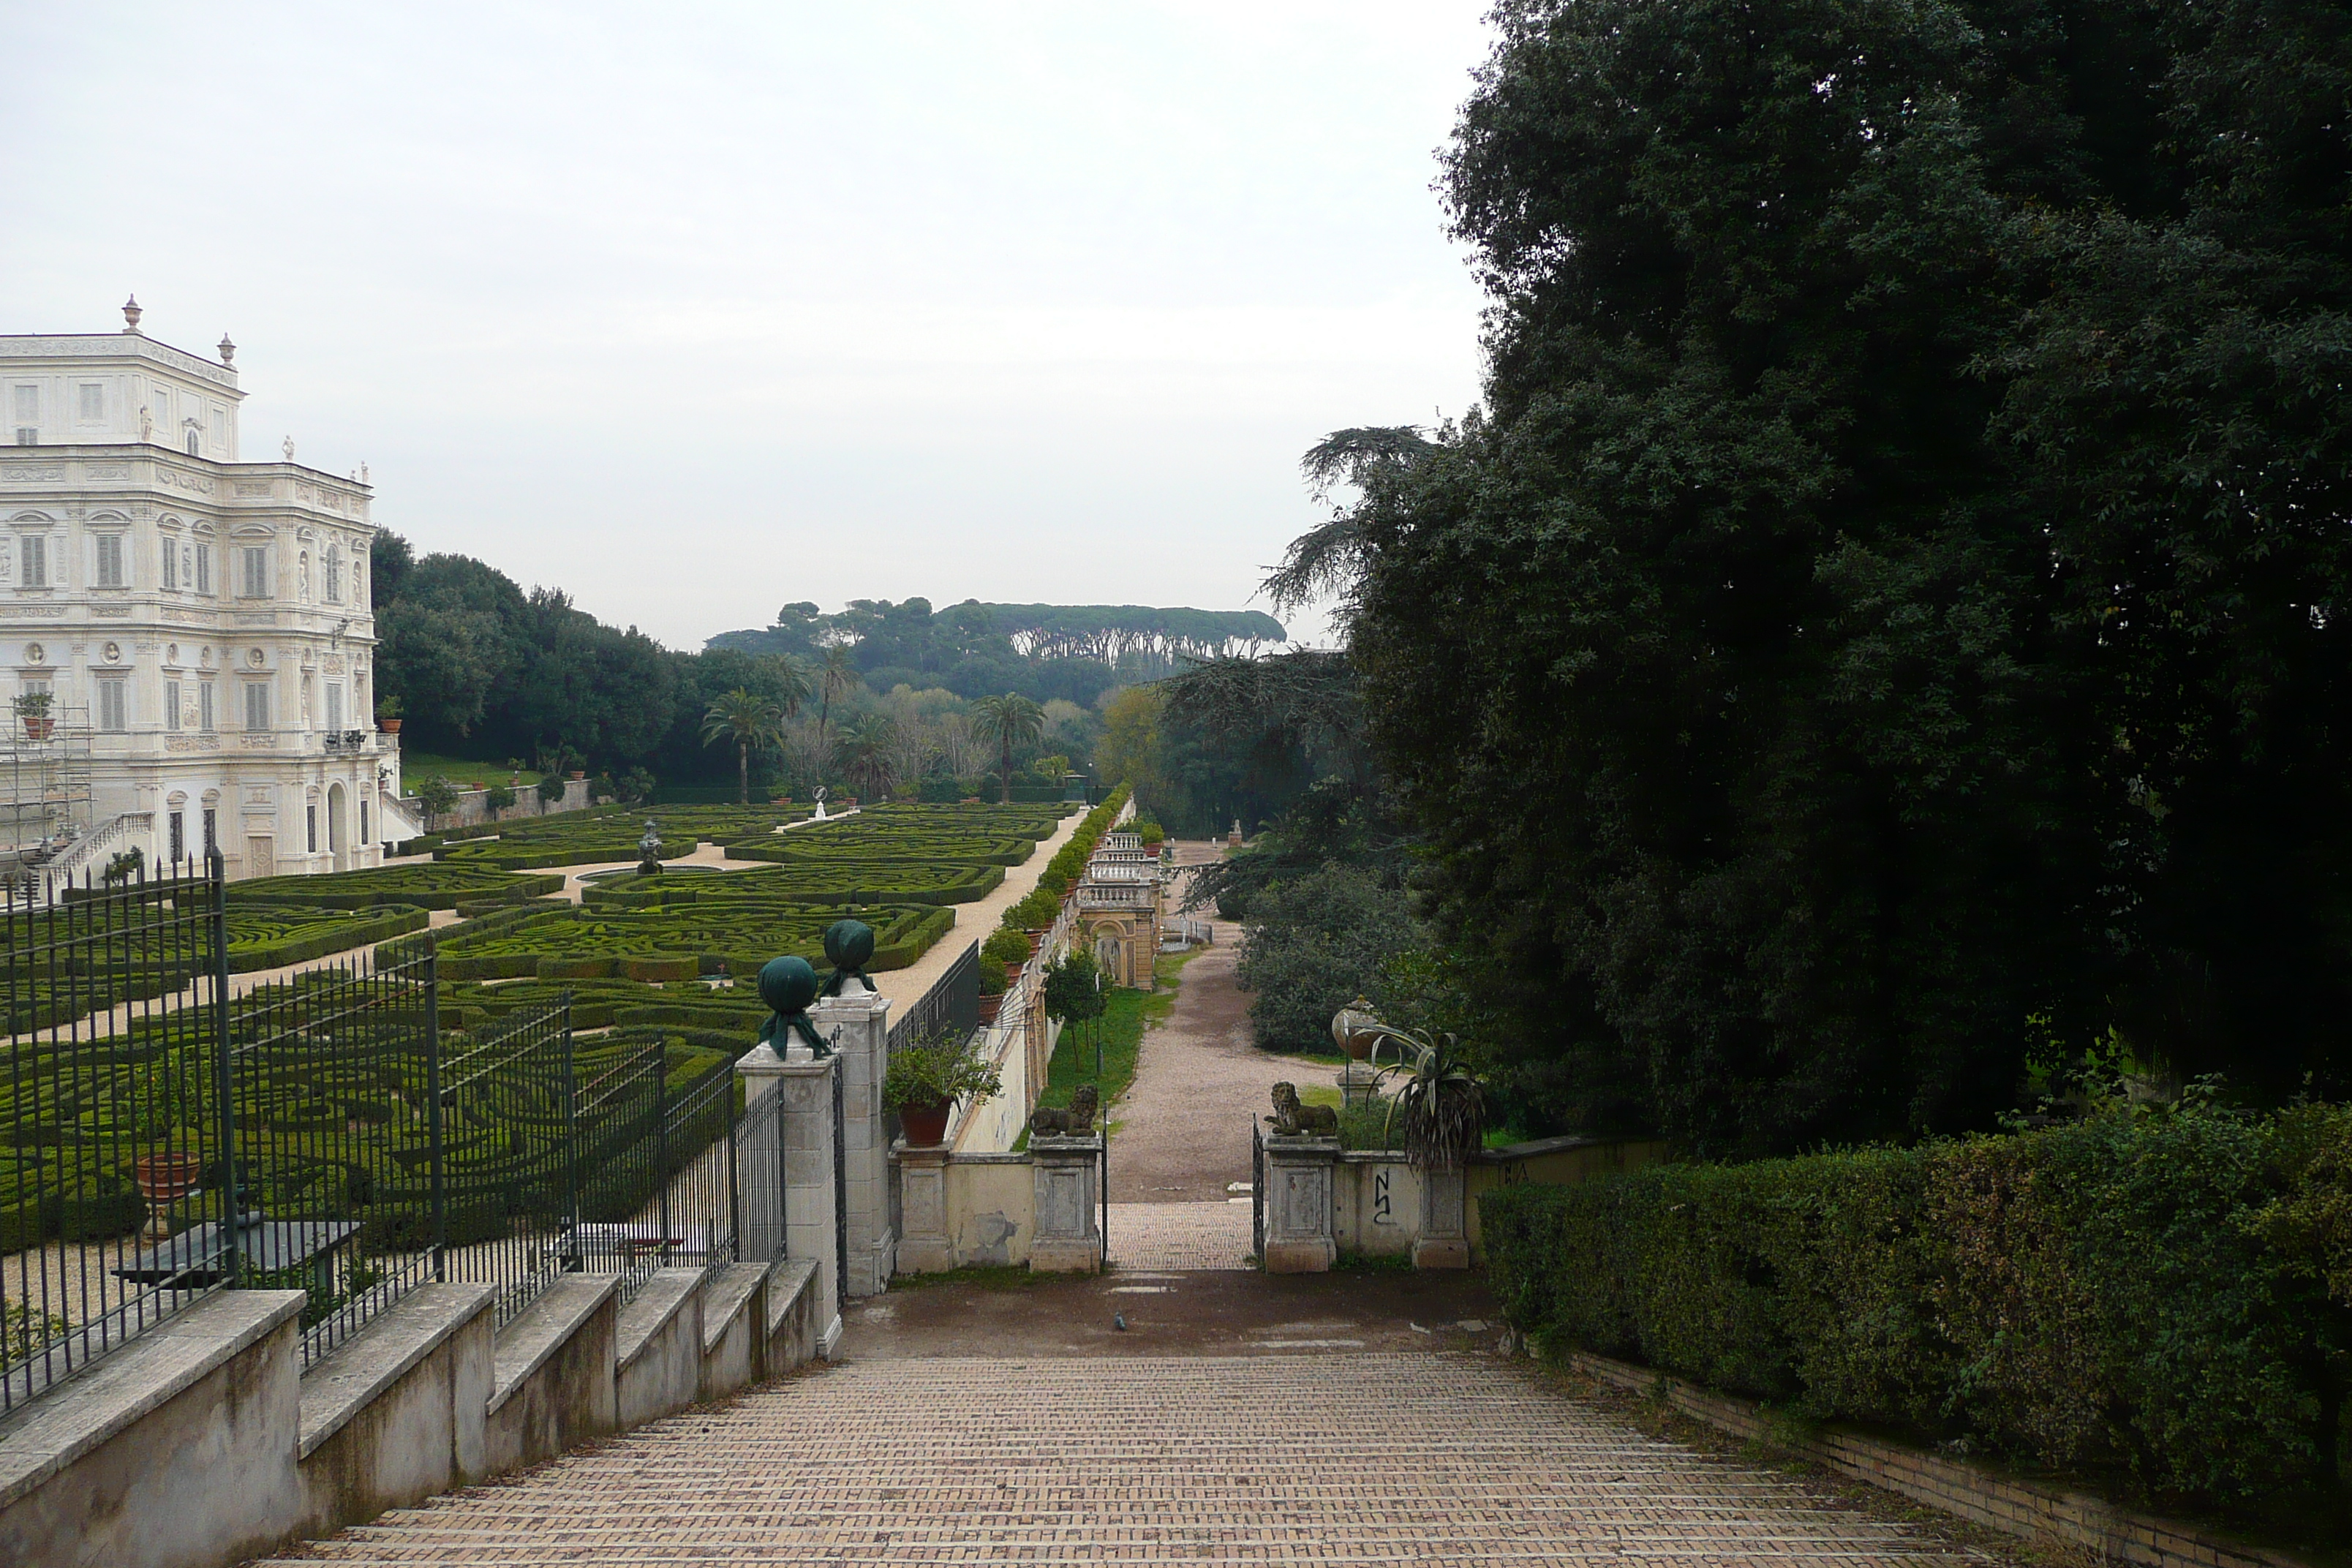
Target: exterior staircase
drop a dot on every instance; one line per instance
(1324, 1458)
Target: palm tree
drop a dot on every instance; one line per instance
(1009, 721)
(836, 675)
(790, 681)
(870, 744)
(752, 721)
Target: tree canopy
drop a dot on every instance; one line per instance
(1076, 652)
(1885, 628)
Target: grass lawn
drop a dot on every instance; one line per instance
(416, 767)
(1122, 1025)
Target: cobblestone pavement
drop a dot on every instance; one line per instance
(1180, 1236)
(1322, 1459)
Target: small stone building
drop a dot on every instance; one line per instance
(1119, 899)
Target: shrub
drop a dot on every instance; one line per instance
(2124, 1296)
(994, 979)
(1006, 946)
(1314, 945)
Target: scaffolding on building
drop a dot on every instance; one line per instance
(44, 786)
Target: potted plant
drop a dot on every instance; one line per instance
(32, 708)
(387, 713)
(994, 983)
(1443, 1112)
(925, 1080)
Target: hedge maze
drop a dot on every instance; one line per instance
(612, 834)
(435, 886)
(340, 1120)
(683, 942)
(272, 935)
(841, 881)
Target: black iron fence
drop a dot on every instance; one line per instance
(111, 997)
(334, 1121)
(951, 1005)
(166, 1136)
(503, 1179)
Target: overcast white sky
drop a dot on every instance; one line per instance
(695, 310)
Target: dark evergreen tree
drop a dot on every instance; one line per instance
(1888, 617)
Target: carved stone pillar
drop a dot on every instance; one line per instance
(925, 1244)
(1443, 1241)
(1298, 1205)
(858, 1022)
(1068, 1197)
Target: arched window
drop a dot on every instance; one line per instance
(195, 442)
(334, 574)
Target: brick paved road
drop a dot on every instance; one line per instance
(1180, 1236)
(1332, 1458)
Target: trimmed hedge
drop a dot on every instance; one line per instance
(824, 883)
(2143, 1299)
(272, 935)
(435, 886)
(611, 833)
(669, 944)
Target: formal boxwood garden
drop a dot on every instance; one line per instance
(434, 887)
(841, 881)
(2164, 1301)
(82, 1111)
(719, 1005)
(735, 936)
(612, 835)
(272, 935)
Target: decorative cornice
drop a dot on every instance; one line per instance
(118, 346)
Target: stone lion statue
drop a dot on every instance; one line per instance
(1291, 1118)
(1076, 1123)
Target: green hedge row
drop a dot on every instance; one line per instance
(673, 944)
(1038, 908)
(435, 886)
(2163, 1301)
(830, 882)
(272, 935)
(598, 1003)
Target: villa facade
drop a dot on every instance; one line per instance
(198, 625)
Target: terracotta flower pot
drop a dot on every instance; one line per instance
(925, 1125)
(388, 726)
(39, 729)
(166, 1178)
(989, 1006)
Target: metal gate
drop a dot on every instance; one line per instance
(1257, 1193)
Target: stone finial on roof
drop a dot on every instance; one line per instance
(227, 350)
(130, 314)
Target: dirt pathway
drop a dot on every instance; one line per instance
(1199, 1080)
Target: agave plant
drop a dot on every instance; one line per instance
(1436, 1097)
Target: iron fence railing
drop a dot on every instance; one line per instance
(952, 1004)
(501, 1176)
(161, 1137)
(336, 1128)
(660, 1190)
(111, 996)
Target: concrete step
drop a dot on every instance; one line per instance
(1334, 1458)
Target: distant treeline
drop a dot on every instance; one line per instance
(1043, 651)
(482, 667)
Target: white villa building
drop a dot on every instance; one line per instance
(200, 625)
